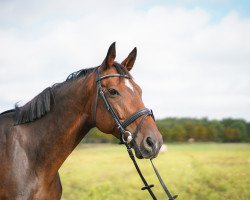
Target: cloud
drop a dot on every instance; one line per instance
(187, 64)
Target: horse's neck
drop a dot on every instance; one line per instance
(67, 123)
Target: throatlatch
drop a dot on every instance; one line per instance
(123, 132)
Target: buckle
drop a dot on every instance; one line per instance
(147, 187)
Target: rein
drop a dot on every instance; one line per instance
(145, 112)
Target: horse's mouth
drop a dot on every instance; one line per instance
(138, 153)
(141, 152)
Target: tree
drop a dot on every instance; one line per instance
(179, 133)
(235, 130)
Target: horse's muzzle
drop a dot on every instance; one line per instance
(148, 148)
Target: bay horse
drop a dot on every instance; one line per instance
(35, 139)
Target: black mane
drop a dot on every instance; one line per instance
(80, 73)
(43, 102)
(121, 69)
(36, 108)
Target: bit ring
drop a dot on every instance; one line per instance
(129, 137)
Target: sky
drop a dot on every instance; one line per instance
(193, 56)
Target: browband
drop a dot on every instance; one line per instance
(112, 75)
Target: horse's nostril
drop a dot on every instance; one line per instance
(150, 141)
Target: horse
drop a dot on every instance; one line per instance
(36, 138)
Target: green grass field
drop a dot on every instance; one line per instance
(193, 171)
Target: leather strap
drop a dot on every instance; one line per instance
(162, 183)
(146, 185)
(112, 75)
(136, 115)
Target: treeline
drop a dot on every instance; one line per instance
(190, 130)
(204, 130)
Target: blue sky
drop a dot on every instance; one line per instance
(219, 8)
(193, 56)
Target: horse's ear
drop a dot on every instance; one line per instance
(110, 58)
(130, 60)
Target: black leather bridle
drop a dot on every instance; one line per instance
(121, 126)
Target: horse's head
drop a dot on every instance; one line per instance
(125, 98)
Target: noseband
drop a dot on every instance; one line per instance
(121, 126)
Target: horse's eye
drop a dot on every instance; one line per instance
(113, 92)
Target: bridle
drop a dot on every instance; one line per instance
(120, 125)
(126, 136)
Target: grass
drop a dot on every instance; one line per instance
(193, 171)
